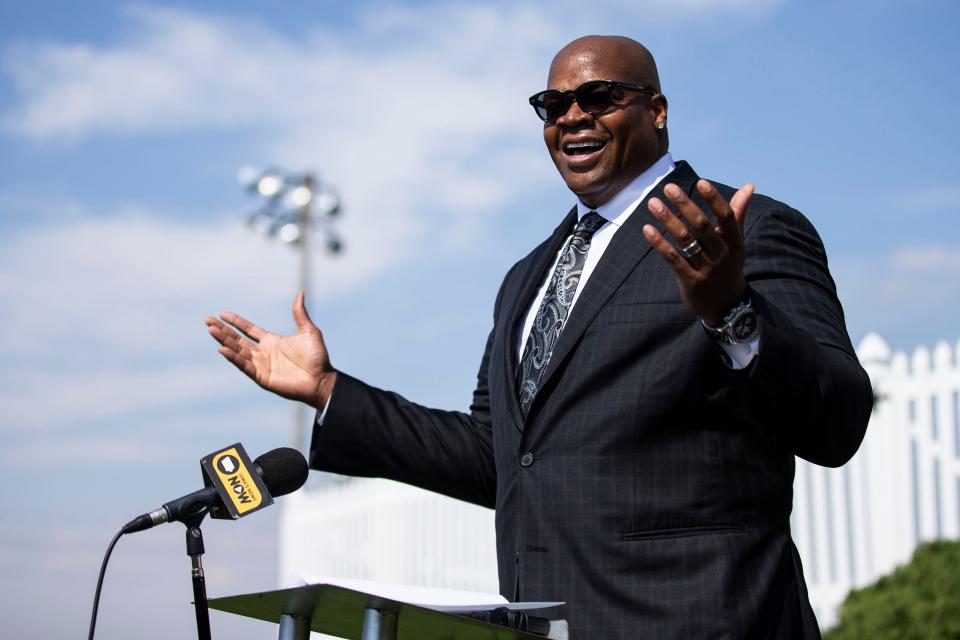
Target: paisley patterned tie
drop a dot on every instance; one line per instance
(553, 311)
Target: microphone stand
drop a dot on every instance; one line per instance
(195, 550)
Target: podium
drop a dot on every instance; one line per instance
(356, 615)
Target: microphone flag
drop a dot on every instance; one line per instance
(241, 489)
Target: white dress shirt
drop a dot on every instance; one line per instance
(616, 211)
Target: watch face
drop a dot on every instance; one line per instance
(744, 326)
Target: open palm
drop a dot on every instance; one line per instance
(296, 367)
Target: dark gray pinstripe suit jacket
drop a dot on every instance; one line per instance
(657, 495)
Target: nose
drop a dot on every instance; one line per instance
(573, 116)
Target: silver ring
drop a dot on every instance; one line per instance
(691, 249)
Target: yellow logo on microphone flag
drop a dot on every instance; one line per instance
(237, 479)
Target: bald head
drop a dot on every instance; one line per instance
(627, 58)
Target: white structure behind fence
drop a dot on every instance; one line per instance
(389, 532)
(851, 524)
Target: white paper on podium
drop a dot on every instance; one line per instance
(448, 600)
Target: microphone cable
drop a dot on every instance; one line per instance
(103, 571)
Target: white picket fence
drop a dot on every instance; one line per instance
(858, 522)
(851, 524)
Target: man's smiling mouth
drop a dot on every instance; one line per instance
(582, 147)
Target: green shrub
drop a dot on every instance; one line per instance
(918, 601)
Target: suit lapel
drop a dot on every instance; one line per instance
(625, 251)
(531, 280)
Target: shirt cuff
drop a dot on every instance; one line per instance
(739, 355)
(322, 414)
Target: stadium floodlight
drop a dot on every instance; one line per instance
(287, 199)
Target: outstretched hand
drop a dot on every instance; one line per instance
(296, 367)
(711, 281)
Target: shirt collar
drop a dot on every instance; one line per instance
(620, 206)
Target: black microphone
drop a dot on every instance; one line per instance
(283, 470)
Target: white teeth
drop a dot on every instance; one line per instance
(586, 144)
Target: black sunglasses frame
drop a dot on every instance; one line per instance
(536, 100)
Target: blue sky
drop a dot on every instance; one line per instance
(122, 127)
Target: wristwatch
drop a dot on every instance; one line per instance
(740, 326)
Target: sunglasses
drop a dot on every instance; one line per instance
(594, 97)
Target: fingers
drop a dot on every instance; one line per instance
(727, 235)
(677, 230)
(729, 215)
(739, 202)
(726, 221)
(227, 337)
(232, 347)
(300, 316)
(244, 326)
(698, 226)
(680, 265)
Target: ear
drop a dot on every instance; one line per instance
(658, 103)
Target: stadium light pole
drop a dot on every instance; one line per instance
(287, 203)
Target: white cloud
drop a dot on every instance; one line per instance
(173, 69)
(418, 113)
(129, 282)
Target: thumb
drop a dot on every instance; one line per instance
(740, 200)
(300, 315)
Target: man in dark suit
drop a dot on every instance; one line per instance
(654, 366)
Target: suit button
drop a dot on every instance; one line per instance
(526, 459)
